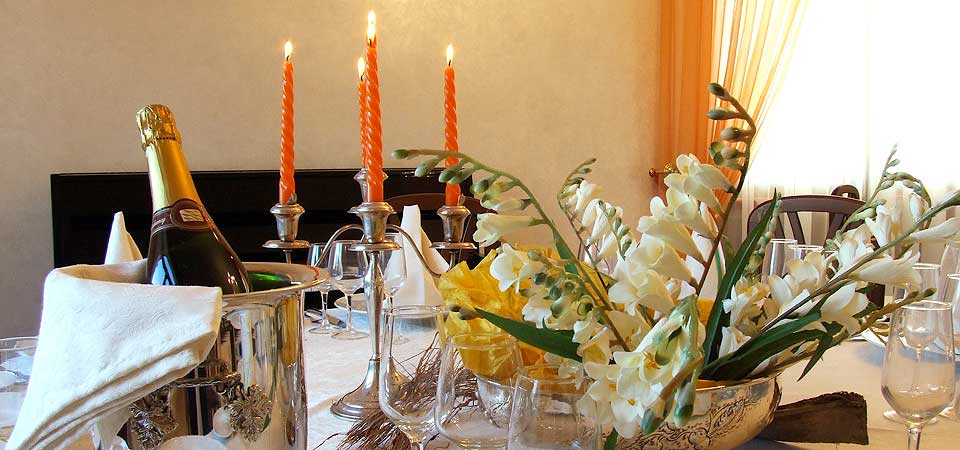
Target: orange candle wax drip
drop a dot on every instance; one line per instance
(374, 130)
(287, 187)
(364, 121)
(452, 191)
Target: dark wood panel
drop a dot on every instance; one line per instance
(239, 201)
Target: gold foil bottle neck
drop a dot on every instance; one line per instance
(156, 123)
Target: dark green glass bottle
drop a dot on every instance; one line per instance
(186, 248)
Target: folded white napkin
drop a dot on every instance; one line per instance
(420, 287)
(107, 341)
(121, 247)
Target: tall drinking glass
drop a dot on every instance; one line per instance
(950, 260)
(545, 413)
(800, 251)
(776, 256)
(409, 370)
(951, 295)
(313, 259)
(395, 272)
(475, 390)
(918, 378)
(16, 362)
(347, 269)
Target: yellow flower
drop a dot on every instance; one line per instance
(471, 289)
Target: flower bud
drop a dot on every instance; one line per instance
(559, 307)
(730, 153)
(651, 421)
(401, 154)
(462, 175)
(540, 278)
(480, 186)
(717, 90)
(722, 114)
(425, 167)
(731, 134)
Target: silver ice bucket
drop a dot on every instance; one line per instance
(250, 392)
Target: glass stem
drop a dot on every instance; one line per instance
(323, 308)
(349, 312)
(913, 437)
(418, 445)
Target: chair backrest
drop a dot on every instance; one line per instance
(429, 203)
(838, 209)
(846, 190)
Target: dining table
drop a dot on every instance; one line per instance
(334, 367)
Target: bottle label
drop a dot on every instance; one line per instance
(184, 214)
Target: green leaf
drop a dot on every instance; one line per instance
(735, 267)
(740, 363)
(556, 342)
(826, 341)
(611, 442)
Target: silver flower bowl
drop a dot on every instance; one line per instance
(724, 417)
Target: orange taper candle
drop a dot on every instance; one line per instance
(364, 120)
(287, 188)
(375, 133)
(452, 191)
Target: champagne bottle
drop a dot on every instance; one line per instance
(186, 248)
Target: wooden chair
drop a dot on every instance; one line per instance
(429, 203)
(846, 190)
(838, 208)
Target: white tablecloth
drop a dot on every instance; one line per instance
(336, 367)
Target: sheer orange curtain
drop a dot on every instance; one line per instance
(742, 44)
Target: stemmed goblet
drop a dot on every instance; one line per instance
(347, 268)
(313, 259)
(918, 378)
(409, 369)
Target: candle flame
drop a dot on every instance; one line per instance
(450, 54)
(287, 50)
(361, 67)
(371, 26)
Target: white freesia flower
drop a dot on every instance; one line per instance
(688, 211)
(693, 187)
(708, 174)
(842, 306)
(901, 208)
(510, 267)
(947, 231)
(537, 311)
(653, 253)
(638, 286)
(746, 304)
(490, 227)
(500, 204)
(668, 228)
(854, 245)
(604, 403)
(594, 340)
(731, 339)
(886, 270)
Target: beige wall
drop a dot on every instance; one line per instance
(541, 85)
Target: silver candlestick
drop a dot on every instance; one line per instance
(288, 220)
(454, 218)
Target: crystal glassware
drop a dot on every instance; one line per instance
(313, 259)
(800, 251)
(929, 278)
(16, 360)
(776, 256)
(347, 268)
(395, 272)
(918, 378)
(409, 369)
(950, 260)
(951, 295)
(474, 393)
(546, 415)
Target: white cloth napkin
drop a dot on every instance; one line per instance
(107, 341)
(420, 287)
(121, 247)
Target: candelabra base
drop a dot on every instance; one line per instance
(363, 400)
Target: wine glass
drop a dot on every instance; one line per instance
(395, 272)
(409, 369)
(951, 294)
(16, 361)
(545, 413)
(918, 378)
(313, 259)
(347, 269)
(950, 260)
(929, 278)
(474, 393)
(776, 256)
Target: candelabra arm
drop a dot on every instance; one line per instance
(333, 237)
(415, 248)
